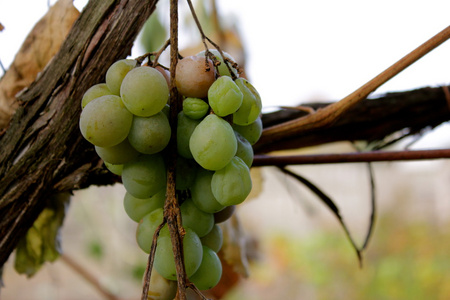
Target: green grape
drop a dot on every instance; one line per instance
(185, 128)
(145, 176)
(147, 227)
(213, 143)
(150, 135)
(94, 92)
(251, 132)
(105, 121)
(116, 73)
(251, 104)
(232, 184)
(210, 271)
(224, 96)
(192, 250)
(244, 149)
(201, 192)
(115, 169)
(117, 154)
(137, 208)
(144, 91)
(195, 108)
(196, 219)
(224, 214)
(214, 239)
(185, 173)
(161, 288)
(223, 70)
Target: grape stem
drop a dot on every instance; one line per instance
(206, 38)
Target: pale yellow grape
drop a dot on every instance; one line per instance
(150, 134)
(116, 72)
(232, 184)
(213, 143)
(94, 92)
(224, 96)
(144, 91)
(251, 104)
(161, 288)
(117, 154)
(105, 121)
(251, 132)
(194, 75)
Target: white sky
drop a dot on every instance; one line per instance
(307, 50)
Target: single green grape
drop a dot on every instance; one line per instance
(214, 238)
(195, 108)
(196, 219)
(244, 149)
(117, 154)
(251, 132)
(232, 184)
(251, 104)
(213, 143)
(201, 192)
(224, 96)
(137, 208)
(116, 73)
(223, 70)
(115, 169)
(145, 176)
(144, 91)
(210, 271)
(185, 128)
(94, 92)
(105, 121)
(147, 227)
(192, 250)
(150, 135)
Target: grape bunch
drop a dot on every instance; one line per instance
(126, 119)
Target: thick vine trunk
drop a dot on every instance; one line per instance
(42, 151)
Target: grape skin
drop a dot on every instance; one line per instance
(251, 104)
(137, 208)
(150, 135)
(209, 272)
(117, 154)
(199, 221)
(224, 96)
(105, 121)
(214, 239)
(116, 73)
(94, 92)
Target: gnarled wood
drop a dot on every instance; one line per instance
(42, 150)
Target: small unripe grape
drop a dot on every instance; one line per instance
(105, 121)
(94, 92)
(195, 108)
(210, 271)
(194, 75)
(145, 176)
(150, 135)
(201, 192)
(119, 154)
(224, 96)
(251, 104)
(144, 91)
(214, 239)
(251, 132)
(192, 250)
(213, 143)
(147, 227)
(232, 184)
(116, 72)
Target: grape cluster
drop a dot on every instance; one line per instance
(126, 119)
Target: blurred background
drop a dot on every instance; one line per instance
(292, 53)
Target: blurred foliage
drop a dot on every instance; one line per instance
(42, 242)
(154, 33)
(404, 261)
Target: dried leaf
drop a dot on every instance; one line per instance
(41, 44)
(42, 241)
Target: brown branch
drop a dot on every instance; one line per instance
(370, 120)
(42, 147)
(353, 157)
(328, 115)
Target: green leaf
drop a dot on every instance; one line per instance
(42, 241)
